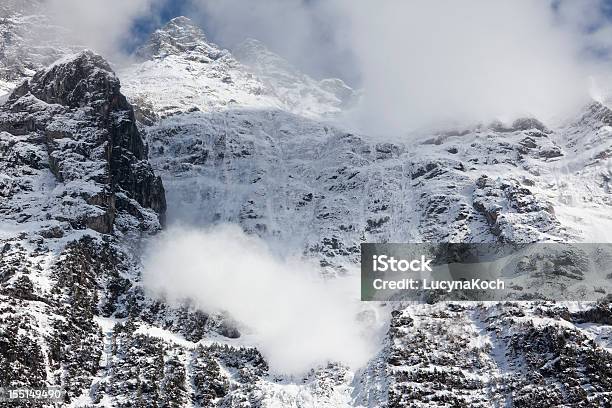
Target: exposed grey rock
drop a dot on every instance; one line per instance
(520, 362)
(74, 113)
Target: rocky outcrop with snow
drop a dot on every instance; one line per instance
(73, 154)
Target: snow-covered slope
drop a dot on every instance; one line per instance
(208, 79)
(580, 181)
(248, 139)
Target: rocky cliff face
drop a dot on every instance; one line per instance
(74, 171)
(70, 119)
(306, 186)
(516, 354)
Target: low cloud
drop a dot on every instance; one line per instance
(104, 26)
(301, 31)
(298, 321)
(428, 63)
(424, 63)
(420, 63)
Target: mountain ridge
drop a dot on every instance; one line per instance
(88, 174)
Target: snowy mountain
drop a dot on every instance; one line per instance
(206, 136)
(300, 93)
(206, 78)
(29, 41)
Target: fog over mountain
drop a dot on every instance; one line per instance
(430, 62)
(423, 63)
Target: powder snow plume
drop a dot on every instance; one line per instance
(298, 320)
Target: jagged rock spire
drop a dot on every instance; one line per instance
(91, 138)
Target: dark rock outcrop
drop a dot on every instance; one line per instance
(74, 111)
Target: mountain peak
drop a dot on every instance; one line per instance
(74, 80)
(183, 29)
(180, 35)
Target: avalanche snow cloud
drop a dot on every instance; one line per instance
(297, 320)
